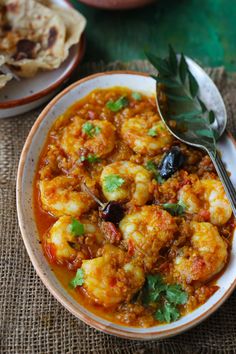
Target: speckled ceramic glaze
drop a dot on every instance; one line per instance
(27, 167)
(117, 4)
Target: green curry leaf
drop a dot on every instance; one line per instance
(193, 85)
(173, 60)
(160, 64)
(183, 68)
(211, 117)
(205, 132)
(177, 86)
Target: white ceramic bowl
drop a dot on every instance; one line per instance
(27, 166)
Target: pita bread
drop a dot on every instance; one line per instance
(4, 78)
(38, 36)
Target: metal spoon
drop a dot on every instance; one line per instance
(211, 97)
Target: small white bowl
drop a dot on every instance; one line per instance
(26, 172)
(22, 96)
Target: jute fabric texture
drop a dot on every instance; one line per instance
(31, 320)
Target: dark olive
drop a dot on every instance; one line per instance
(113, 212)
(171, 162)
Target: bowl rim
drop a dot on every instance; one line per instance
(120, 332)
(52, 87)
(115, 7)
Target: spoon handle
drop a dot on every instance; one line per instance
(229, 188)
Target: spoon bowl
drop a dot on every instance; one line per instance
(209, 94)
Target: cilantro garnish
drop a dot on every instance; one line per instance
(113, 182)
(167, 313)
(90, 158)
(176, 295)
(152, 167)
(76, 228)
(166, 296)
(137, 96)
(152, 132)
(90, 129)
(78, 280)
(117, 105)
(175, 209)
(153, 288)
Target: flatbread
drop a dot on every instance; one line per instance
(38, 36)
(4, 78)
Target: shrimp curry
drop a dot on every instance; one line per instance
(135, 224)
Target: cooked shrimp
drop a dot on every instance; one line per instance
(124, 180)
(63, 241)
(95, 136)
(205, 257)
(62, 195)
(146, 231)
(111, 278)
(146, 136)
(60, 239)
(207, 195)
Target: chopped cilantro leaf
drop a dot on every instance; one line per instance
(97, 130)
(176, 295)
(78, 280)
(137, 96)
(153, 287)
(90, 129)
(152, 132)
(152, 167)
(76, 228)
(113, 182)
(174, 209)
(167, 313)
(155, 290)
(117, 105)
(90, 158)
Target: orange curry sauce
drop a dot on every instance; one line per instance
(55, 161)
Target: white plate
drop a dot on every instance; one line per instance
(22, 96)
(26, 173)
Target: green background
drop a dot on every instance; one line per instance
(202, 29)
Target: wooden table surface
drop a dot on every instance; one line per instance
(202, 29)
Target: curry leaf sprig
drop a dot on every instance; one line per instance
(181, 90)
(168, 297)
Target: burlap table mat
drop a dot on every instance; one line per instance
(31, 320)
